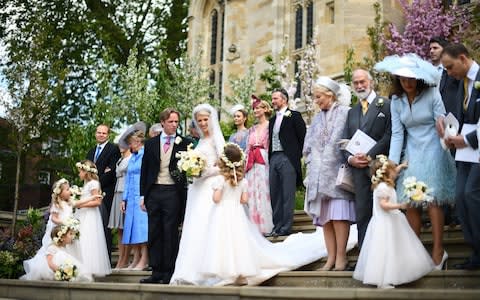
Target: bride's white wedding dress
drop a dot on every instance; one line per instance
(268, 258)
(197, 210)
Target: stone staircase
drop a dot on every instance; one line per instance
(303, 283)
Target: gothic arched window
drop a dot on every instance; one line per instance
(298, 27)
(309, 22)
(213, 41)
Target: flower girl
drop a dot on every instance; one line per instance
(61, 210)
(229, 257)
(92, 244)
(56, 263)
(391, 253)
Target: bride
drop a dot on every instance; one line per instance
(199, 198)
(297, 250)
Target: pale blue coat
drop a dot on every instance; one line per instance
(413, 129)
(135, 227)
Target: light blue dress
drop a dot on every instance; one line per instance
(135, 226)
(413, 129)
(240, 138)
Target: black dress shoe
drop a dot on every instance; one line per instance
(152, 279)
(283, 233)
(271, 234)
(467, 265)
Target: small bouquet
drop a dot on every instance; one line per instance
(74, 225)
(191, 162)
(76, 193)
(417, 191)
(66, 272)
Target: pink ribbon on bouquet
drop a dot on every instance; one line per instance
(254, 156)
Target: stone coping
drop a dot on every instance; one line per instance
(19, 289)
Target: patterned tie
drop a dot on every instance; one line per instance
(97, 153)
(166, 146)
(364, 103)
(465, 93)
(278, 122)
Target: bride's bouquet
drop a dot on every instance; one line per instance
(191, 162)
(417, 192)
(66, 272)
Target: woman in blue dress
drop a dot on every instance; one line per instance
(416, 105)
(135, 227)
(240, 117)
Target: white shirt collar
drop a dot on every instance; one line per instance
(371, 97)
(102, 145)
(283, 110)
(163, 135)
(472, 72)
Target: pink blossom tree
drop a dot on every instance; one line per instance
(423, 19)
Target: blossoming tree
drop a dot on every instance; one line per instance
(423, 19)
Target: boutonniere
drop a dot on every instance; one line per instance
(380, 102)
(287, 114)
(476, 85)
(178, 140)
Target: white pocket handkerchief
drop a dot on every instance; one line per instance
(478, 100)
(381, 115)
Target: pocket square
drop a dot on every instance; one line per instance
(381, 115)
(478, 100)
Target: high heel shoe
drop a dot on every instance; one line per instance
(443, 264)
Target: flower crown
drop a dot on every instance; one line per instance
(57, 189)
(380, 171)
(229, 163)
(70, 224)
(86, 168)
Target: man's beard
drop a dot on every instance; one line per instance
(363, 94)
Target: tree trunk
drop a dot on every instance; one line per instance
(17, 185)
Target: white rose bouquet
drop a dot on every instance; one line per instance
(191, 162)
(76, 193)
(66, 272)
(417, 191)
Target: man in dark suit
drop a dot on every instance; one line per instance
(459, 64)
(372, 116)
(105, 156)
(287, 133)
(163, 191)
(448, 87)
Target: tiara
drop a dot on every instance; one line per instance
(86, 168)
(380, 171)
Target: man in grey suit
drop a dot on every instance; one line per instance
(372, 116)
(459, 64)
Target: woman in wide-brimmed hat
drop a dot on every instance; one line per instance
(416, 104)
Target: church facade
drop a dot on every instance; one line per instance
(234, 34)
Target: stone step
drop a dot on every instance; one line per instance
(450, 279)
(48, 290)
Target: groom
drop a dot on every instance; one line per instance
(163, 194)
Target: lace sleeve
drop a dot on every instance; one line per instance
(217, 184)
(383, 191)
(51, 250)
(244, 185)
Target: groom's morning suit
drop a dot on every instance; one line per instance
(285, 152)
(468, 174)
(377, 124)
(164, 190)
(106, 164)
